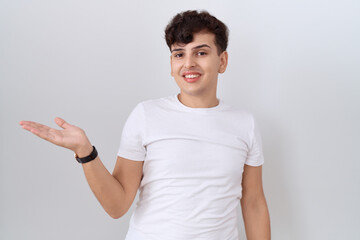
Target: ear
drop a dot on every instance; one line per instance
(223, 61)
(172, 74)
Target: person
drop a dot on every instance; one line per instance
(191, 155)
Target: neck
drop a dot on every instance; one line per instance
(198, 101)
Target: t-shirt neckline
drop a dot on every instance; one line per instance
(191, 109)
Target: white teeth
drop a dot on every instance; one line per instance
(191, 76)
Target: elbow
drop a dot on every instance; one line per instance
(253, 202)
(117, 214)
(118, 208)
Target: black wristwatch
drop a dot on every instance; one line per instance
(89, 158)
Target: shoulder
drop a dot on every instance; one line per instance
(156, 104)
(242, 115)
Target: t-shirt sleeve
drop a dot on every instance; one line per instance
(132, 137)
(255, 155)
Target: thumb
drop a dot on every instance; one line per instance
(62, 123)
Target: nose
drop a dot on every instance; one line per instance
(189, 61)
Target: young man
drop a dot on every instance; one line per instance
(192, 156)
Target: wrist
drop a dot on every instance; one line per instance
(93, 155)
(84, 150)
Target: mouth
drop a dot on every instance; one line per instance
(191, 77)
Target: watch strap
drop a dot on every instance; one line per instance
(89, 158)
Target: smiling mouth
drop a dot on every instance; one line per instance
(191, 77)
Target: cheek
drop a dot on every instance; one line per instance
(173, 72)
(212, 67)
(173, 66)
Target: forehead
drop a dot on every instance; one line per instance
(198, 38)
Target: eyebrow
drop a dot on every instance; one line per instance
(197, 47)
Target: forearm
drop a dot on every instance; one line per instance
(256, 219)
(106, 188)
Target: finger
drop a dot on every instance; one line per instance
(42, 131)
(25, 122)
(62, 123)
(29, 125)
(34, 126)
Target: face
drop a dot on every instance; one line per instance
(195, 66)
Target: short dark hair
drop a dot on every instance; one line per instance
(183, 25)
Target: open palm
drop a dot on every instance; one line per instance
(71, 137)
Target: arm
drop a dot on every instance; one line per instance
(253, 205)
(116, 191)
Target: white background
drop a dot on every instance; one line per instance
(294, 64)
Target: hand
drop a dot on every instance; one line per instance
(71, 137)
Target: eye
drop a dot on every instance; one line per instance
(178, 55)
(201, 53)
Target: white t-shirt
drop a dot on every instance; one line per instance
(192, 172)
